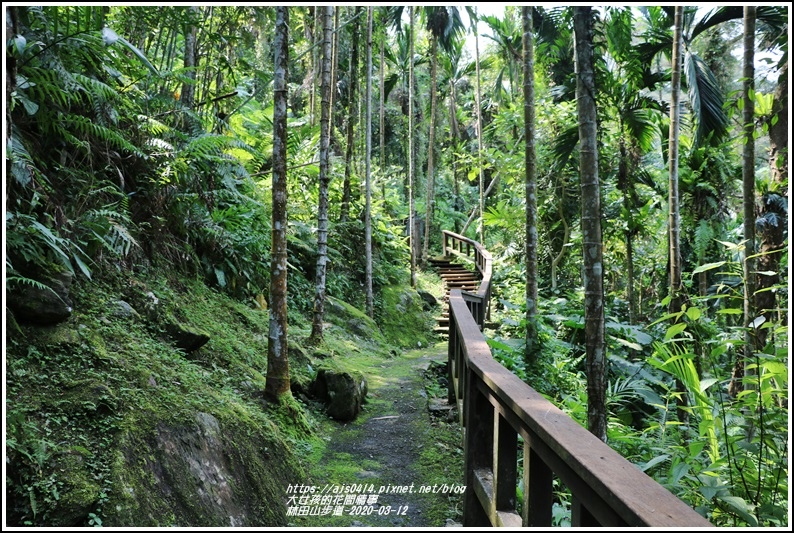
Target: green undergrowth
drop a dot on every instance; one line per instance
(105, 416)
(95, 404)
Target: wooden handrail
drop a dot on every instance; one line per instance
(497, 407)
(479, 302)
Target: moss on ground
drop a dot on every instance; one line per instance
(427, 452)
(90, 402)
(100, 407)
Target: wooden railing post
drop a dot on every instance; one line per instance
(505, 465)
(452, 353)
(478, 449)
(538, 495)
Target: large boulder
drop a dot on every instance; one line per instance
(185, 337)
(343, 392)
(44, 303)
(345, 316)
(429, 300)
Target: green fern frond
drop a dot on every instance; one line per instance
(44, 86)
(704, 234)
(153, 126)
(85, 126)
(96, 89)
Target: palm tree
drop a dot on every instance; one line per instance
(591, 224)
(530, 187)
(351, 113)
(478, 104)
(673, 199)
(277, 383)
(507, 36)
(411, 155)
(444, 25)
(674, 217)
(368, 186)
(748, 195)
(325, 177)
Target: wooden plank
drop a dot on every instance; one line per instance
(633, 495)
(477, 448)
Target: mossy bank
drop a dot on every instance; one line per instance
(144, 408)
(110, 422)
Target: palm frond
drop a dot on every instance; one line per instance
(706, 100)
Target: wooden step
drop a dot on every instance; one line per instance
(468, 277)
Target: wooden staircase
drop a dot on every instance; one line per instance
(454, 276)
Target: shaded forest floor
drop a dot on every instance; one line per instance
(401, 458)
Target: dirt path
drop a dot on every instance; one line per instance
(405, 461)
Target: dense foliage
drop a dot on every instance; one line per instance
(124, 150)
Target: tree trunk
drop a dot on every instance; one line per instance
(748, 200)
(189, 87)
(382, 121)
(324, 178)
(532, 345)
(591, 224)
(430, 148)
(625, 185)
(351, 116)
(411, 177)
(277, 383)
(368, 171)
(674, 218)
(479, 131)
(11, 86)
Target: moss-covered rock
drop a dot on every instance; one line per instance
(352, 319)
(208, 473)
(79, 492)
(402, 317)
(343, 392)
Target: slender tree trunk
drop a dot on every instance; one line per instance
(566, 235)
(674, 218)
(189, 86)
(325, 177)
(675, 119)
(316, 62)
(351, 119)
(430, 148)
(625, 185)
(382, 121)
(479, 132)
(334, 59)
(411, 170)
(748, 195)
(530, 187)
(368, 171)
(591, 224)
(277, 383)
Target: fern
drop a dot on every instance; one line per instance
(704, 234)
(86, 127)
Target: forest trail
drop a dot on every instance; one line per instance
(395, 449)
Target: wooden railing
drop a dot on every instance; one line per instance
(477, 302)
(498, 408)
